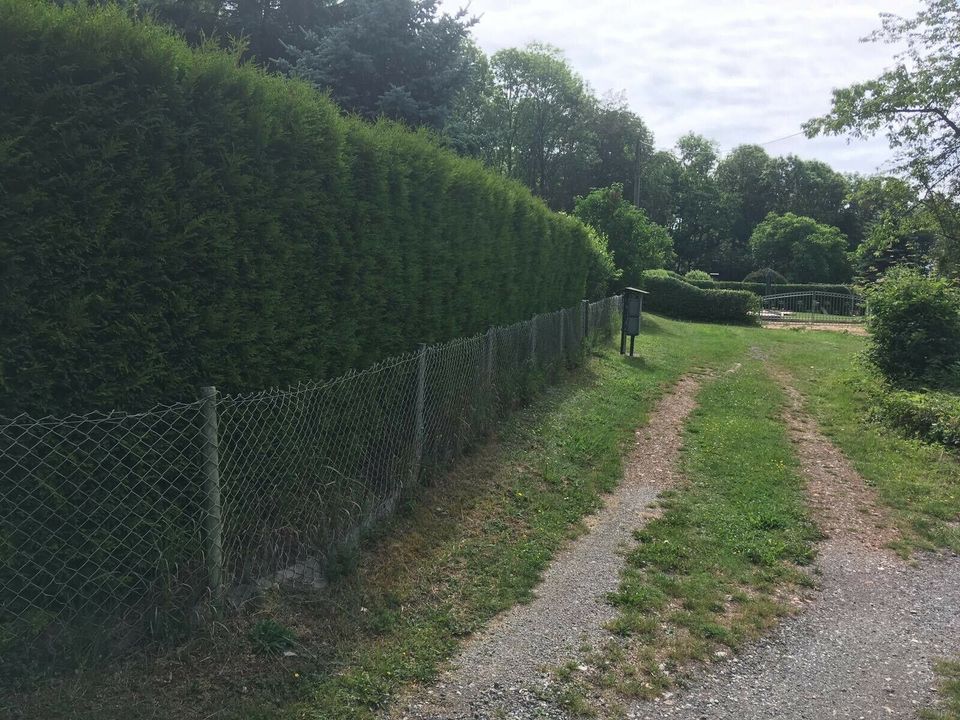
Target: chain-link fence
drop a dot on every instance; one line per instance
(118, 528)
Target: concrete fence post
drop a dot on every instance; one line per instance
(213, 520)
(533, 339)
(419, 423)
(489, 350)
(563, 327)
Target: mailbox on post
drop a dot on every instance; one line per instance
(632, 311)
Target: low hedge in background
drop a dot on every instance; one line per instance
(680, 299)
(170, 218)
(775, 289)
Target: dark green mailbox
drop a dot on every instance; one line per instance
(632, 312)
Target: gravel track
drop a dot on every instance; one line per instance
(863, 649)
(500, 673)
(865, 645)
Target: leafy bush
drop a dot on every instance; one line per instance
(765, 274)
(602, 272)
(699, 275)
(679, 299)
(194, 221)
(915, 327)
(932, 416)
(637, 243)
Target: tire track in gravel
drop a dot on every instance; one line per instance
(865, 646)
(500, 673)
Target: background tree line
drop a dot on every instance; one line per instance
(527, 113)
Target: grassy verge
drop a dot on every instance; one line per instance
(466, 549)
(712, 571)
(919, 481)
(949, 709)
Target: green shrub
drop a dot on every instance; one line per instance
(171, 219)
(915, 327)
(699, 275)
(765, 275)
(676, 298)
(932, 416)
(635, 242)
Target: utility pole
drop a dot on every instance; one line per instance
(636, 179)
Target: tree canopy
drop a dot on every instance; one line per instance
(800, 248)
(916, 103)
(400, 58)
(637, 244)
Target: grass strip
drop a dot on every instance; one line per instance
(714, 569)
(919, 481)
(949, 687)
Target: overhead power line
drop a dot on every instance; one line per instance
(785, 137)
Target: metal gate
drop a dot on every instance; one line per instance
(813, 307)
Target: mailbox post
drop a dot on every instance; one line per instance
(632, 311)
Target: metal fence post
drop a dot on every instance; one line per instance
(213, 522)
(419, 424)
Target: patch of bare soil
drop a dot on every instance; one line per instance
(849, 328)
(843, 505)
(502, 670)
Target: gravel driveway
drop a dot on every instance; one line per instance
(500, 674)
(864, 647)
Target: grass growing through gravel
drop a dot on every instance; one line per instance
(949, 687)
(920, 482)
(711, 571)
(469, 547)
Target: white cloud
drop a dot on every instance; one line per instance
(747, 71)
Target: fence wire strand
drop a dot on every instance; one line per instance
(105, 536)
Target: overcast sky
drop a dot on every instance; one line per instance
(737, 71)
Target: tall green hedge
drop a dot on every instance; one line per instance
(680, 299)
(169, 218)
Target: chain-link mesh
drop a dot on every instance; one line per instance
(116, 528)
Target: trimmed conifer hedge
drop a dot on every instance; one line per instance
(169, 218)
(680, 299)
